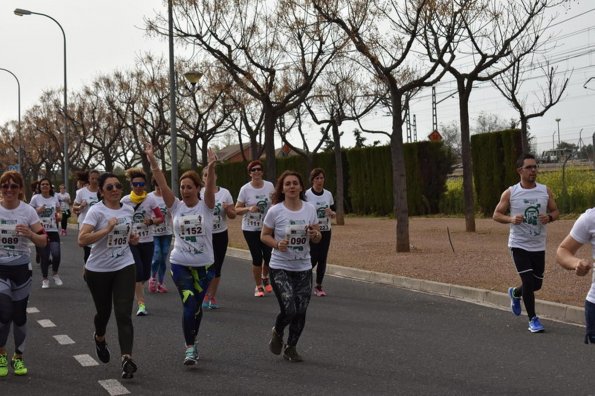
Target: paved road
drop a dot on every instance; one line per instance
(361, 339)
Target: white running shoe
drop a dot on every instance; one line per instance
(45, 284)
(57, 280)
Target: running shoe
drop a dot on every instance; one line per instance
(3, 365)
(191, 356)
(101, 349)
(258, 291)
(319, 292)
(267, 285)
(290, 353)
(205, 302)
(18, 365)
(152, 285)
(213, 303)
(515, 302)
(142, 310)
(57, 280)
(45, 284)
(128, 367)
(276, 343)
(161, 288)
(535, 325)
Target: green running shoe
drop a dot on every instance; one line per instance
(19, 366)
(3, 365)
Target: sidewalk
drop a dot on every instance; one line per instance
(547, 310)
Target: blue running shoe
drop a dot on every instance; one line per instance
(535, 325)
(515, 302)
(191, 356)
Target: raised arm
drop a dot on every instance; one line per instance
(168, 196)
(211, 187)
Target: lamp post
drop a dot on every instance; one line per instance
(22, 12)
(558, 121)
(19, 121)
(172, 101)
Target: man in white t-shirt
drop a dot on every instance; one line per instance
(85, 198)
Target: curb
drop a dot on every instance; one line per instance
(548, 310)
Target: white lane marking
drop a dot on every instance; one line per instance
(113, 387)
(63, 339)
(86, 360)
(32, 310)
(46, 323)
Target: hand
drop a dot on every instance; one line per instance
(254, 209)
(518, 219)
(282, 245)
(134, 238)
(313, 232)
(582, 267)
(149, 150)
(329, 213)
(148, 221)
(211, 157)
(544, 218)
(111, 223)
(24, 230)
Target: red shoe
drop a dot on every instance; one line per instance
(161, 288)
(258, 291)
(152, 285)
(267, 285)
(319, 292)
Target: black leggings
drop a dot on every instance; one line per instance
(15, 285)
(64, 221)
(293, 290)
(258, 250)
(220, 242)
(50, 254)
(530, 266)
(318, 255)
(117, 286)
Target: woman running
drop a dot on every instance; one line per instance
(289, 226)
(47, 206)
(325, 210)
(64, 199)
(18, 224)
(253, 202)
(110, 271)
(223, 210)
(162, 234)
(85, 198)
(146, 214)
(192, 255)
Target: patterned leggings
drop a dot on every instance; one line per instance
(293, 290)
(192, 284)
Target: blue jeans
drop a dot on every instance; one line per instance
(160, 252)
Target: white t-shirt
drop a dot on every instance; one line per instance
(321, 202)
(193, 231)
(260, 197)
(219, 216)
(142, 212)
(530, 235)
(164, 228)
(14, 249)
(292, 226)
(583, 231)
(48, 215)
(84, 194)
(112, 252)
(64, 200)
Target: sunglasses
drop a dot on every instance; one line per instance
(12, 186)
(138, 184)
(255, 169)
(111, 187)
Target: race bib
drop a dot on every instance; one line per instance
(191, 226)
(140, 229)
(254, 220)
(296, 235)
(8, 235)
(324, 223)
(118, 237)
(217, 223)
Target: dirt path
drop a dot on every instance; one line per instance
(481, 259)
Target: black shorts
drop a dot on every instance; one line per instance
(143, 258)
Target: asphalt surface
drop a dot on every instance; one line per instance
(363, 338)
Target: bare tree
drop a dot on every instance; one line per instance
(494, 35)
(273, 49)
(511, 82)
(386, 34)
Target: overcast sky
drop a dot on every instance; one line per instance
(107, 35)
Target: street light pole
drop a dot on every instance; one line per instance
(558, 121)
(172, 102)
(22, 12)
(19, 121)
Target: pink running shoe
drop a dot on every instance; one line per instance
(318, 292)
(152, 285)
(258, 291)
(161, 288)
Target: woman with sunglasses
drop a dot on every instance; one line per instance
(19, 223)
(47, 206)
(162, 235)
(192, 255)
(110, 271)
(253, 202)
(146, 214)
(289, 227)
(223, 210)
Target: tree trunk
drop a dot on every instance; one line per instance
(466, 157)
(524, 139)
(401, 209)
(269, 146)
(339, 194)
(193, 153)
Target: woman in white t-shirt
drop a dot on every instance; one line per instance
(288, 228)
(64, 199)
(192, 254)
(18, 224)
(48, 209)
(253, 203)
(162, 235)
(110, 272)
(84, 199)
(582, 233)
